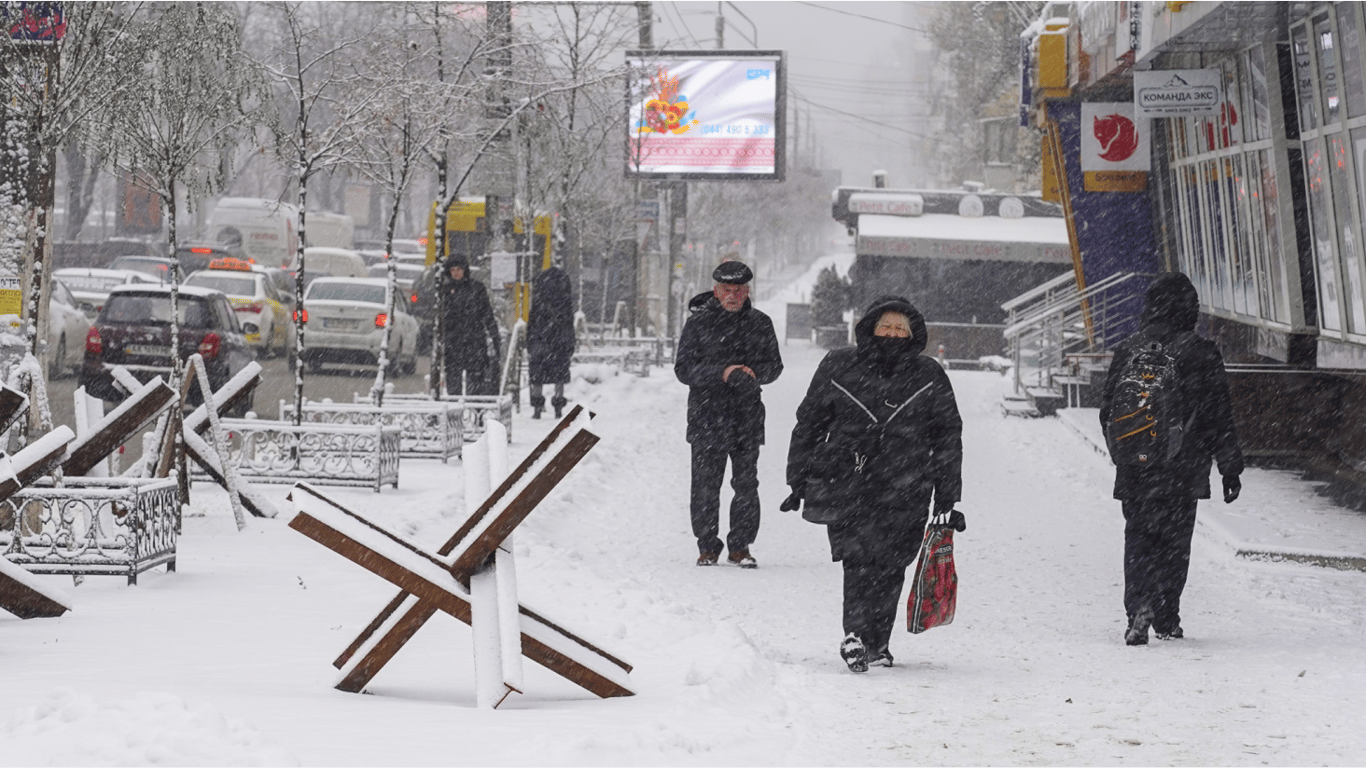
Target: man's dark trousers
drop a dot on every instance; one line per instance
(708, 471)
(872, 594)
(1157, 555)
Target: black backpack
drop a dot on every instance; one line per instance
(1145, 427)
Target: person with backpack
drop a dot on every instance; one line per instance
(1166, 414)
(878, 438)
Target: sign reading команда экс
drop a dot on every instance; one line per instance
(1177, 92)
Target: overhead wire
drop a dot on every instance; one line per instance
(861, 16)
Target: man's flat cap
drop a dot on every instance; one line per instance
(733, 272)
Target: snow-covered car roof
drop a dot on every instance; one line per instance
(97, 272)
(185, 290)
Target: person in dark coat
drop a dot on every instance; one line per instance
(1159, 501)
(726, 352)
(550, 338)
(469, 332)
(878, 438)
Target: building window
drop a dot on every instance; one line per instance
(1353, 84)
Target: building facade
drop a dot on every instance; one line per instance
(1260, 199)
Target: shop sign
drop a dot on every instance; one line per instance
(1115, 154)
(1177, 92)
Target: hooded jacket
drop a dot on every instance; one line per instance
(1170, 311)
(725, 414)
(878, 434)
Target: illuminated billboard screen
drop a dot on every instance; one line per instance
(706, 115)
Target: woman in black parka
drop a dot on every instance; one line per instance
(550, 338)
(469, 332)
(877, 437)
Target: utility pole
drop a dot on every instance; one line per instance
(645, 38)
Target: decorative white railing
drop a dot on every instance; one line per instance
(326, 454)
(92, 526)
(473, 409)
(430, 429)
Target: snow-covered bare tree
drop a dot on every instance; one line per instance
(59, 63)
(392, 144)
(324, 97)
(194, 97)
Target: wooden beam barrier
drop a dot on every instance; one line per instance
(13, 404)
(24, 596)
(429, 587)
(478, 538)
(119, 426)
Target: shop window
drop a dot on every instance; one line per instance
(1349, 242)
(1216, 234)
(1239, 239)
(1271, 220)
(1256, 94)
(1304, 78)
(1321, 232)
(1353, 83)
(1328, 72)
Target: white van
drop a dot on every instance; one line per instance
(266, 229)
(333, 230)
(330, 262)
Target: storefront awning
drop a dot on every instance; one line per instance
(944, 236)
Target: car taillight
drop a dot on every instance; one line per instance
(208, 348)
(301, 316)
(413, 298)
(381, 320)
(93, 345)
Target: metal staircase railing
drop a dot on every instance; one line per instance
(1054, 320)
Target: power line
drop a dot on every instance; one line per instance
(897, 128)
(870, 18)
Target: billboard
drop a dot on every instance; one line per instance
(706, 115)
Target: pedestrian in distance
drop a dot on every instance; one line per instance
(726, 353)
(469, 333)
(1166, 414)
(878, 440)
(550, 338)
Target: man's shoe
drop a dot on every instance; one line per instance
(1138, 630)
(1175, 634)
(882, 658)
(708, 558)
(854, 654)
(742, 558)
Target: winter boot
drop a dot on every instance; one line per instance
(742, 558)
(708, 558)
(882, 658)
(854, 654)
(1175, 634)
(537, 405)
(1138, 628)
(559, 403)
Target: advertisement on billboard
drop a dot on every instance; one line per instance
(706, 115)
(33, 22)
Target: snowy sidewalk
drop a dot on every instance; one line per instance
(1278, 516)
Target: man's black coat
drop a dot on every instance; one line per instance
(550, 328)
(1170, 312)
(724, 414)
(877, 435)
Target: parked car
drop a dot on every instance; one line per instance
(67, 326)
(283, 282)
(134, 331)
(407, 276)
(91, 287)
(422, 305)
(152, 266)
(265, 319)
(344, 320)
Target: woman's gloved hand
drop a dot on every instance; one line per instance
(793, 502)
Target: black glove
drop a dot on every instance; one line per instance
(945, 515)
(793, 502)
(1232, 487)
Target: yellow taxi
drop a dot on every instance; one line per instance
(260, 309)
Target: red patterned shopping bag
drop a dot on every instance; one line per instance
(934, 587)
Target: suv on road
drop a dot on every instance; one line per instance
(134, 331)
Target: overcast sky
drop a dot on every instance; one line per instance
(854, 57)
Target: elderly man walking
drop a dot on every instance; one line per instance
(727, 351)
